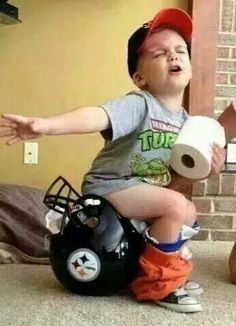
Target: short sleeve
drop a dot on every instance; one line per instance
(125, 115)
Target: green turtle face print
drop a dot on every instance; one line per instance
(154, 171)
(151, 164)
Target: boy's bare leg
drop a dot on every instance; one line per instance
(232, 264)
(165, 210)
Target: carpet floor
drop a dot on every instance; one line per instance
(30, 295)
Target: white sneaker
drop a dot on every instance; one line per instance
(193, 288)
(180, 301)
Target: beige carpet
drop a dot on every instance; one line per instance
(30, 295)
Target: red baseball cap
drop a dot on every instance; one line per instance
(175, 18)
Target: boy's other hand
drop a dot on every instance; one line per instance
(20, 128)
(218, 159)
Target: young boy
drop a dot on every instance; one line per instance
(132, 170)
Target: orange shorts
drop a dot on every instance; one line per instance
(160, 273)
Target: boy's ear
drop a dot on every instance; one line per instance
(139, 80)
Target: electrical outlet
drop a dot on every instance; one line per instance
(30, 153)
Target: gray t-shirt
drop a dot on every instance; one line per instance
(138, 145)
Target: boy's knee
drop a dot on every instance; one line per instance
(178, 208)
(191, 213)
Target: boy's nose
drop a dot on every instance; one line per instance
(173, 57)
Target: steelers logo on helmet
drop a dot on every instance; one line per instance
(84, 265)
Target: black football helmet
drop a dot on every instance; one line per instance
(96, 251)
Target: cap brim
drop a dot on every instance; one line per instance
(173, 17)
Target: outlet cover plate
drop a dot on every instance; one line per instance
(31, 153)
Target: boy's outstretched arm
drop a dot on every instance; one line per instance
(88, 119)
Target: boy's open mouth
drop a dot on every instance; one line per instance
(175, 69)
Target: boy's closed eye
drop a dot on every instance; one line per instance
(181, 51)
(159, 54)
(163, 52)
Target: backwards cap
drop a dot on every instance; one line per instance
(174, 18)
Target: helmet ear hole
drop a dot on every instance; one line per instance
(97, 252)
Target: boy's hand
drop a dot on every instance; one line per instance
(218, 159)
(20, 128)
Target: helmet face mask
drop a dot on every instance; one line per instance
(96, 251)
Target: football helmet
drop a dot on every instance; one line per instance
(96, 251)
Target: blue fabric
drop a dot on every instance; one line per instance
(196, 225)
(173, 246)
(169, 247)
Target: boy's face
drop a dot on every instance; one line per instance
(164, 66)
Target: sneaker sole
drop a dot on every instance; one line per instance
(180, 308)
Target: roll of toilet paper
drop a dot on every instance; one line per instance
(192, 152)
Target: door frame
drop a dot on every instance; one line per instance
(200, 98)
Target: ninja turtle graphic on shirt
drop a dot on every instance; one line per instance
(154, 171)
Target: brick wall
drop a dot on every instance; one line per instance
(226, 56)
(215, 198)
